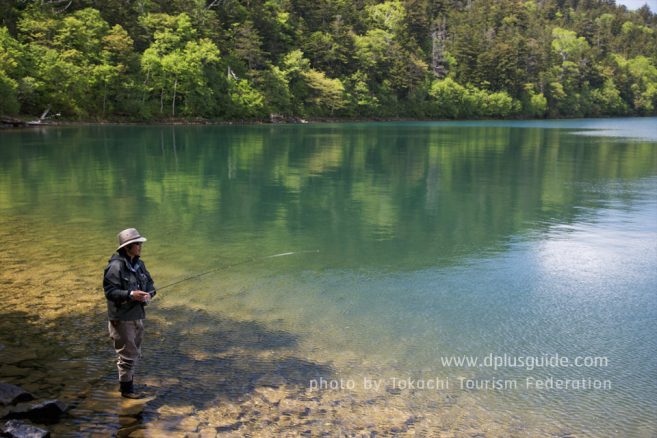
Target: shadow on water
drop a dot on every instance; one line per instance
(192, 361)
(212, 357)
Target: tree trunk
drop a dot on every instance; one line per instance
(104, 98)
(143, 95)
(173, 104)
(162, 95)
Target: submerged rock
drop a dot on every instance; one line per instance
(18, 429)
(229, 427)
(271, 380)
(12, 394)
(271, 395)
(189, 424)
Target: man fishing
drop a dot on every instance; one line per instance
(128, 288)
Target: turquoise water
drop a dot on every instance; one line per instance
(413, 242)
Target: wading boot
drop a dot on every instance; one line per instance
(128, 390)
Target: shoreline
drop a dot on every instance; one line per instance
(22, 122)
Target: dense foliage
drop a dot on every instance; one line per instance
(246, 59)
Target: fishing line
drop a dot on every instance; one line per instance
(243, 262)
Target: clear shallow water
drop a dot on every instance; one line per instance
(426, 240)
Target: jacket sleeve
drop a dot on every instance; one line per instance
(150, 285)
(113, 285)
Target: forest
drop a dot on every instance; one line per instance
(156, 60)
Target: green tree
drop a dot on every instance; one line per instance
(327, 52)
(294, 66)
(638, 78)
(247, 44)
(569, 46)
(84, 32)
(62, 54)
(568, 78)
(278, 98)
(315, 93)
(373, 49)
(175, 63)
(637, 39)
(361, 100)
(245, 100)
(534, 104)
(10, 71)
(326, 95)
(389, 16)
(113, 76)
(608, 101)
(451, 99)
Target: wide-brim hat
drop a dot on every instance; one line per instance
(128, 236)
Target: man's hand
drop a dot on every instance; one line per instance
(140, 295)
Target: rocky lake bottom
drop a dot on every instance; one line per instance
(204, 374)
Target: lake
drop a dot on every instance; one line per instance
(440, 278)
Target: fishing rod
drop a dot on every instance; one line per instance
(224, 267)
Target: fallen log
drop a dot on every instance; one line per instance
(10, 122)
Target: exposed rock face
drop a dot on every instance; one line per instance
(12, 394)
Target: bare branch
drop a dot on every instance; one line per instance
(231, 74)
(214, 3)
